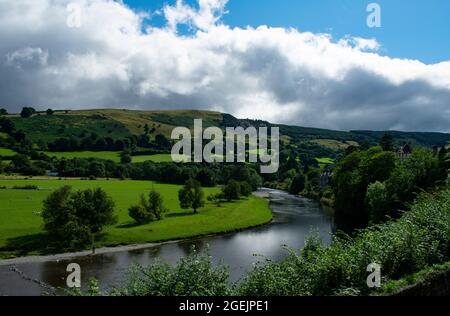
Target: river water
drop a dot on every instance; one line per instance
(294, 219)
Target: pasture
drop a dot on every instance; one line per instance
(21, 225)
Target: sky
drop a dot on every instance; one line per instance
(302, 62)
(414, 29)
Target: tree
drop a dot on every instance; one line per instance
(232, 191)
(377, 202)
(6, 125)
(156, 204)
(125, 158)
(72, 218)
(3, 112)
(162, 141)
(206, 177)
(27, 112)
(191, 196)
(149, 209)
(50, 112)
(297, 184)
(387, 142)
(352, 176)
(93, 208)
(245, 189)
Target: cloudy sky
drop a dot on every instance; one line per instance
(296, 63)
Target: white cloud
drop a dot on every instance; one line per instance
(27, 56)
(278, 74)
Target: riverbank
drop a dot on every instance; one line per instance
(293, 220)
(115, 249)
(21, 232)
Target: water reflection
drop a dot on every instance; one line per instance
(294, 220)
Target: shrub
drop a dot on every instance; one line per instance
(232, 191)
(140, 215)
(149, 209)
(419, 239)
(194, 275)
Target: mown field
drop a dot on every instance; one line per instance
(111, 155)
(21, 224)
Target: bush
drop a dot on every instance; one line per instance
(419, 239)
(232, 191)
(194, 275)
(140, 215)
(149, 209)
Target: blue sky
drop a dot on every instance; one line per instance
(410, 29)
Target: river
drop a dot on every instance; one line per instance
(294, 218)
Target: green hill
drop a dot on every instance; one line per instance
(117, 123)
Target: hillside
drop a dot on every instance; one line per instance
(117, 123)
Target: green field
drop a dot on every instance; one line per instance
(7, 152)
(333, 144)
(21, 224)
(111, 155)
(325, 161)
(107, 155)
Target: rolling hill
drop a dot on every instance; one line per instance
(117, 123)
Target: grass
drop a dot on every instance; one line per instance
(111, 155)
(157, 158)
(332, 144)
(107, 155)
(395, 286)
(325, 161)
(21, 224)
(7, 152)
(48, 128)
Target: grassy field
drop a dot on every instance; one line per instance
(107, 155)
(111, 155)
(7, 152)
(325, 161)
(21, 224)
(334, 144)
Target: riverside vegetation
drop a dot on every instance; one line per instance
(394, 208)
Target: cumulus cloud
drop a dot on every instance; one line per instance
(278, 74)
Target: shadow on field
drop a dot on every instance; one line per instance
(128, 225)
(181, 214)
(24, 245)
(41, 244)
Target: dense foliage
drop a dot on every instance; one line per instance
(373, 184)
(72, 218)
(420, 238)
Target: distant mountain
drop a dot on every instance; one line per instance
(123, 123)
